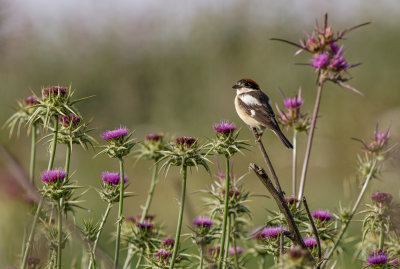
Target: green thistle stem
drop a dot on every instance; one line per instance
(382, 236)
(144, 212)
(54, 145)
(234, 242)
(180, 217)
(33, 155)
(201, 257)
(30, 238)
(121, 206)
(227, 241)
(353, 211)
(294, 165)
(139, 262)
(310, 139)
(225, 234)
(68, 160)
(59, 228)
(103, 221)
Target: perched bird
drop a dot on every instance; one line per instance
(254, 108)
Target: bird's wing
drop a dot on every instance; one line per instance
(257, 105)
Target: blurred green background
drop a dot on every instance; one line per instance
(168, 66)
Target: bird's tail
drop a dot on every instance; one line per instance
(283, 138)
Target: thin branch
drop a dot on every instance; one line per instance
(315, 231)
(280, 201)
(267, 160)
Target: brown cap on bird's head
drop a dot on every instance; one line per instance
(246, 83)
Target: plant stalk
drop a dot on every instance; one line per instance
(225, 234)
(201, 256)
(353, 211)
(33, 155)
(310, 139)
(234, 242)
(294, 165)
(68, 160)
(103, 221)
(120, 208)
(59, 228)
(180, 218)
(54, 145)
(30, 237)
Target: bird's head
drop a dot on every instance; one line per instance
(245, 85)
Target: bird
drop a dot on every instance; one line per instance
(254, 108)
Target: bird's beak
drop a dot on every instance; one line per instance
(235, 86)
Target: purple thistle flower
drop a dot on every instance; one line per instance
(185, 141)
(293, 103)
(69, 120)
(269, 232)
(310, 242)
(225, 128)
(296, 252)
(168, 242)
(31, 100)
(154, 137)
(394, 262)
(112, 178)
(239, 250)
(377, 257)
(322, 215)
(148, 217)
(163, 255)
(56, 175)
(382, 198)
(338, 62)
(202, 222)
(130, 219)
(55, 90)
(320, 60)
(116, 133)
(145, 225)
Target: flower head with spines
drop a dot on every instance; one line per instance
(119, 142)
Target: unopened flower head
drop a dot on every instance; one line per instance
(168, 242)
(154, 137)
(291, 200)
(382, 198)
(378, 144)
(51, 176)
(111, 178)
(297, 252)
(202, 222)
(239, 250)
(225, 128)
(31, 100)
(293, 103)
(70, 120)
(55, 91)
(378, 257)
(116, 133)
(163, 255)
(145, 225)
(310, 242)
(214, 251)
(148, 217)
(322, 215)
(185, 142)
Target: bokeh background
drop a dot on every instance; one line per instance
(168, 66)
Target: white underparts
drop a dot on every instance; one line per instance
(244, 90)
(249, 100)
(253, 112)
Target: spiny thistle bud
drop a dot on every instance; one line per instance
(382, 198)
(239, 251)
(163, 256)
(31, 100)
(214, 252)
(185, 142)
(310, 242)
(168, 243)
(151, 147)
(378, 144)
(119, 142)
(292, 117)
(70, 120)
(53, 176)
(110, 187)
(322, 215)
(55, 91)
(226, 142)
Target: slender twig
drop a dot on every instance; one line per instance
(314, 229)
(353, 211)
(33, 154)
(144, 212)
(103, 221)
(294, 235)
(225, 233)
(180, 217)
(267, 160)
(310, 138)
(120, 208)
(234, 242)
(294, 165)
(31, 233)
(59, 230)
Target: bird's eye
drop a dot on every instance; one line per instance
(247, 84)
